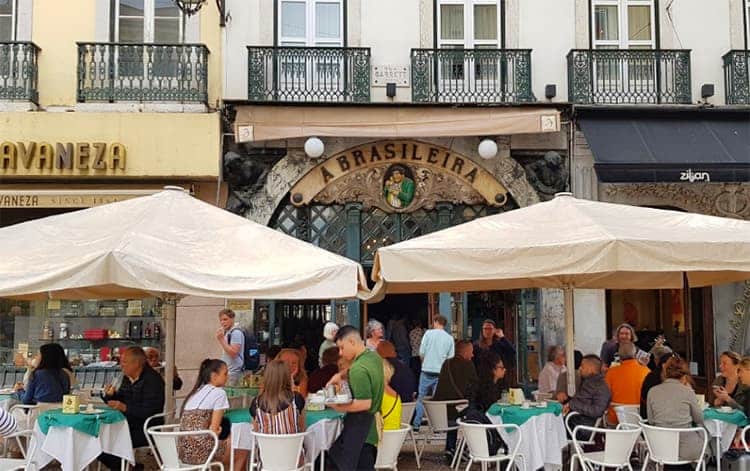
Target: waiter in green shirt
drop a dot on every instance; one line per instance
(356, 447)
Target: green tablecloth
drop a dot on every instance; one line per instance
(240, 392)
(86, 423)
(517, 415)
(736, 417)
(236, 416)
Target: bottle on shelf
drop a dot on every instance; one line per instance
(157, 331)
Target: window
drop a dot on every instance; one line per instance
(623, 24)
(7, 20)
(148, 21)
(468, 24)
(311, 23)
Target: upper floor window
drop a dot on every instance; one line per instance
(310, 23)
(148, 21)
(469, 24)
(7, 20)
(623, 24)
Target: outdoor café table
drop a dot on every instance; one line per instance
(542, 432)
(240, 397)
(76, 440)
(322, 427)
(722, 427)
(8, 400)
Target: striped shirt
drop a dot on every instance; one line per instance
(7, 423)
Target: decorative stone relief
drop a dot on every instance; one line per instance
(553, 316)
(738, 322)
(548, 175)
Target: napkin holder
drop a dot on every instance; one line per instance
(71, 404)
(516, 396)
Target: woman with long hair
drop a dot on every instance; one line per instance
(278, 409)
(727, 388)
(204, 409)
(390, 407)
(50, 381)
(294, 360)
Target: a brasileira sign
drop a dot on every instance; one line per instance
(399, 157)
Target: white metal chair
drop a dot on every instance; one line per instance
(390, 447)
(149, 423)
(618, 446)
(25, 415)
(743, 439)
(407, 413)
(475, 439)
(165, 449)
(664, 446)
(12, 464)
(437, 417)
(592, 437)
(278, 452)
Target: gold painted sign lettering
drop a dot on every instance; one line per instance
(32, 200)
(82, 157)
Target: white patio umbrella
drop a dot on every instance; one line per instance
(167, 244)
(569, 243)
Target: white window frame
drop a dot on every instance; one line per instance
(469, 42)
(149, 17)
(310, 40)
(746, 13)
(13, 19)
(623, 41)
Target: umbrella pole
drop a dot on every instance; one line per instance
(170, 308)
(570, 343)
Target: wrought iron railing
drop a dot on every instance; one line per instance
(308, 74)
(629, 76)
(110, 72)
(19, 71)
(737, 77)
(471, 75)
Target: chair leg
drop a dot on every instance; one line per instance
(468, 466)
(455, 460)
(416, 449)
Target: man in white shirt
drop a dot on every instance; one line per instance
(232, 342)
(436, 347)
(552, 370)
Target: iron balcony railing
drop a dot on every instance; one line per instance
(19, 71)
(308, 74)
(174, 73)
(737, 77)
(471, 75)
(629, 76)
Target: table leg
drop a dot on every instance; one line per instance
(718, 452)
(322, 460)
(231, 457)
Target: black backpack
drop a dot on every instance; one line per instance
(251, 354)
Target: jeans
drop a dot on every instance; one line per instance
(427, 383)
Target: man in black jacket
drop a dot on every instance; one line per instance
(140, 396)
(592, 400)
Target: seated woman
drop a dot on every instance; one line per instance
(278, 409)
(293, 359)
(390, 407)
(728, 389)
(320, 377)
(673, 404)
(204, 409)
(50, 380)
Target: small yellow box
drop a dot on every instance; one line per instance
(71, 404)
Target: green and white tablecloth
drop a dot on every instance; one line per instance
(241, 415)
(86, 423)
(514, 414)
(241, 392)
(735, 417)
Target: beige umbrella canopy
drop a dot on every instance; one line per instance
(164, 245)
(569, 243)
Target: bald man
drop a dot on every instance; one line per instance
(153, 357)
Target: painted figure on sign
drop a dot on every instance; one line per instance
(398, 187)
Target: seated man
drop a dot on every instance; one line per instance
(153, 357)
(625, 380)
(455, 377)
(592, 399)
(140, 396)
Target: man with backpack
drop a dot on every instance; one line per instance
(232, 342)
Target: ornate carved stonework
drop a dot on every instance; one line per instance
(366, 187)
(715, 199)
(738, 322)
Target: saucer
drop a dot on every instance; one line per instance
(92, 412)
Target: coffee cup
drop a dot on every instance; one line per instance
(525, 405)
(542, 403)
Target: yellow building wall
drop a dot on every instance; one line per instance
(59, 24)
(158, 144)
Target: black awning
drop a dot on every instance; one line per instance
(710, 148)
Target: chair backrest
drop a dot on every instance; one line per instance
(150, 422)
(476, 438)
(664, 443)
(280, 452)
(407, 411)
(25, 415)
(628, 414)
(437, 412)
(165, 440)
(618, 444)
(390, 447)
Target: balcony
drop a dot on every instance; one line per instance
(629, 76)
(308, 74)
(116, 72)
(471, 75)
(19, 72)
(737, 77)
